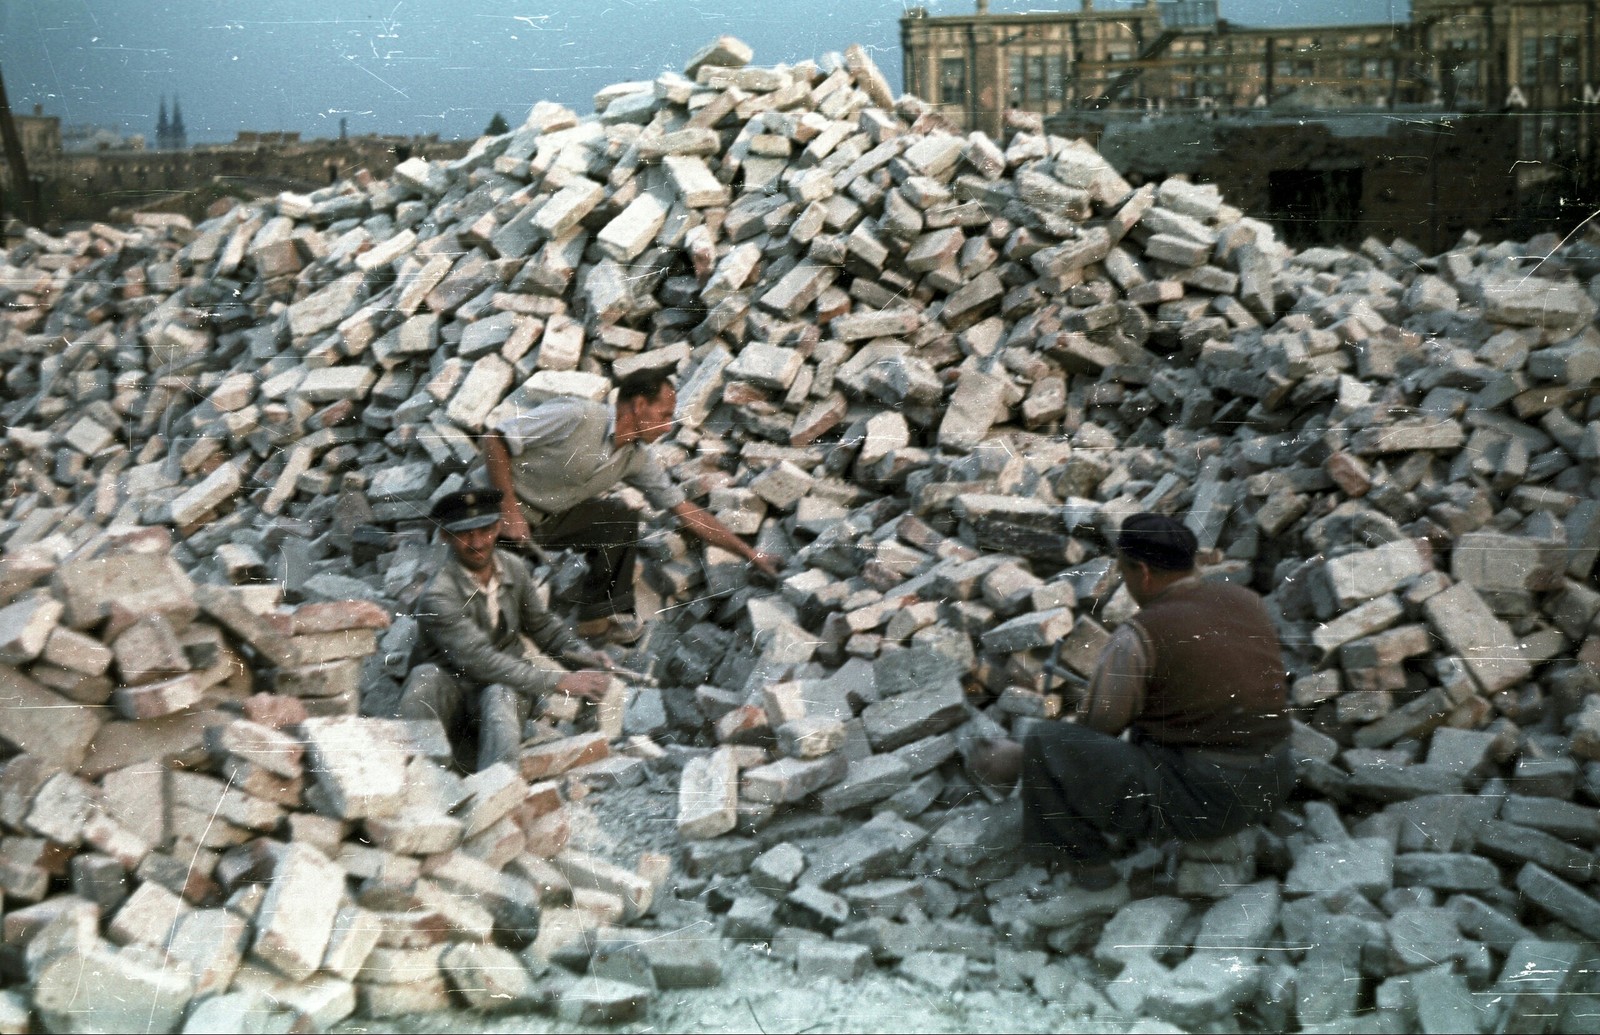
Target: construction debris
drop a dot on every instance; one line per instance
(931, 371)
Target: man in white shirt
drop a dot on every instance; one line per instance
(554, 464)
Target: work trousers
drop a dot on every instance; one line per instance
(1085, 794)
(606, 532)
(484, 724)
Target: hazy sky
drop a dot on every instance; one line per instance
(437, 66)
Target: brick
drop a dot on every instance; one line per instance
(1447, 871)
(1365, 865)
(910, 716)
(791, 779)
(1356, 577)
(361, 770)
(1560, 899)
(866, 780)
(130, 583)
(44, 724)
(491, 979)
(513, 902)
(104, 990)
(263, 746)
(1533, 981)
(212, 942)
(148, 917)
(155, 700)
(708, 796)
(1464, 622)
(594, 1001)
(295, 922)
(558, 756)
(26, 627)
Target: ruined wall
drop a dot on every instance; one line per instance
(1426, 181)
(106, 184)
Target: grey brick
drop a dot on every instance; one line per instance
(1560, 899)
(1361, 864)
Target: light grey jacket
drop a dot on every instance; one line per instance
(454, 615)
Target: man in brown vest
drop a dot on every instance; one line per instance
(1196, 682)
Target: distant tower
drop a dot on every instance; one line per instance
(170, 134)
(180, 136)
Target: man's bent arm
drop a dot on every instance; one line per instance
(497, 462)
(1115, 696)
(468, 651)
(705, 525)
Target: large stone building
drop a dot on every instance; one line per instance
(1507, 89)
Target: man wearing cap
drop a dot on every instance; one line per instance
(481, 612)
(1195, 679)
(554, 463)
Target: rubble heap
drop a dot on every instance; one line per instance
(934, 372)
(183, 849)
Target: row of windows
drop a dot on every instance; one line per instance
(1549, 59)
(1034, 79)
(1037, 77)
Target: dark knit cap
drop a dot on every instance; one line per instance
(1157, 540)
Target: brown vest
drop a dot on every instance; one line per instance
(1217, 676)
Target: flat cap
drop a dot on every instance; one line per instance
(1157, 540)
(467, 510)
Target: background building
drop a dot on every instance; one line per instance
(1504, 90)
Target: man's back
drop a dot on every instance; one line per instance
(1217, 675)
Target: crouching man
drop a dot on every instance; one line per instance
(481, 614)
(1182, 732)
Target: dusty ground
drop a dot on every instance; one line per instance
(759, 995)
(759, 992)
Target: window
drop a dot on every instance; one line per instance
(1056, 77)
(1529, 71)
(953, 81)
(1014, 94)
(1035, 77)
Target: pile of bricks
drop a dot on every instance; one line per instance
(181, 848)
(934, 373)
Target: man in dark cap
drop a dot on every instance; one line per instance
(555, 463)
(481, 613)
(1195, 680)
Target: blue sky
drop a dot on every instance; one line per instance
(435, 66)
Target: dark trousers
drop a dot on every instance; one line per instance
(1082, 791)
(606, 532)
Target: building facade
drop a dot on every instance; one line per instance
(1524, 73)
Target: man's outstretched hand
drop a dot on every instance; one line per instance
(590, 683)
(768, 564)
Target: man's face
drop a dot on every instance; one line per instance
(1135, 576)
(653, 417)
(474, 549)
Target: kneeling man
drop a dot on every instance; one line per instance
(481, 613)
